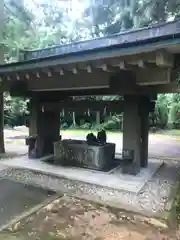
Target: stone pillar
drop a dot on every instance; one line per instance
(135, 132)
(45, 126)
(34, 108)
(144, 114)
(132, 134)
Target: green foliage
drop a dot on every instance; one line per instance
(22, 30)
(174, 115)
(161, 111)
(48, 26)
(161, 115)
(109, 17)
(15, 110)
(176, 98)
(86, 125)
(113, 122)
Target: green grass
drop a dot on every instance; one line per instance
(172, 132)
(84, 132)
(76, 132)
(15, 141)
(80, 132)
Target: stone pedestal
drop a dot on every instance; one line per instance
(45, 125)
(135, 132)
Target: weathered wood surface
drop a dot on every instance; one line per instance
(90, 65)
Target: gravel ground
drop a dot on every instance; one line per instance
(151, 200)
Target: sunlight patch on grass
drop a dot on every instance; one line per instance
(76, 132)
(80, 132)
(15, 141)
(173, 132)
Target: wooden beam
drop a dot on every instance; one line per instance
(27, 76)
(164, 59)
(107, 68)
(131, 62)
(74, 70)
(85, 67)
(17, 77)
(61, 72)
(84, 105)
(49, 73)
(68, 81)
(141, 63)
(58, 70)
(123, 65)
(154, 76)
(112, 106)
(89, 69)
(37, 75)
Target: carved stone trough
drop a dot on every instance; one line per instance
(79, 153)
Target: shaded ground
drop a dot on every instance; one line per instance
(73, 219)
(152, 199)
(16, 198)
(16, 149)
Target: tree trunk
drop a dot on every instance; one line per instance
(98, 118)
(2, 148)
(74, 119)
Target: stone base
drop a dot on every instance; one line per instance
(113, 179)
(39, 146)
(130, 168)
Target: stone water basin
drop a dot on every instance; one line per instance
(79, 153)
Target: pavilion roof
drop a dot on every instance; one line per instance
(125, 39)
(126, 44)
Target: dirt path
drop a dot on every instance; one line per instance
(73, 219)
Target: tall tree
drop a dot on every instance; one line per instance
(15, 24)
(109, 17)
(49, 25)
